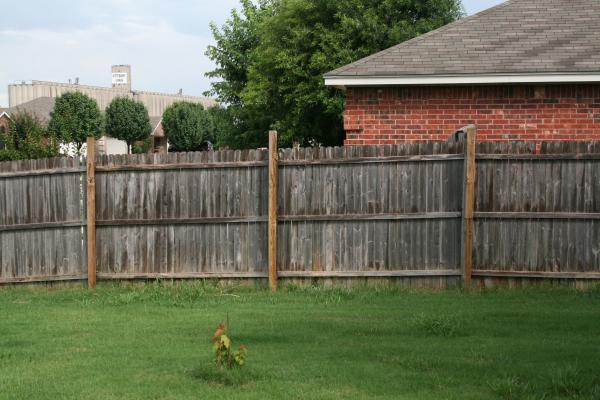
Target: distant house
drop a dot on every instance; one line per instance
(4, 120)
(38, 108)
(524, 70)
(158, 134)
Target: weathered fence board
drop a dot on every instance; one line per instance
(538, 212)
(41, 220)
(538, 245)
(340, 215)
(209, 248)
(200, 219)
(369, 245)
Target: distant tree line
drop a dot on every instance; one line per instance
(187, 126)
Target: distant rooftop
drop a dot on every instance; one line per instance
(40, 108)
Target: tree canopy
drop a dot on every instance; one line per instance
(272, 54)
(187, 126)
(127, 120)
(75, 117)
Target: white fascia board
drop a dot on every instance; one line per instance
(3, 113)
(349, 81)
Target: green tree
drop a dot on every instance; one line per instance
(75, 117)
(27, 138)
(236, 42)
(223, 126)
(271, 56)
(127, 120)
(187, 126)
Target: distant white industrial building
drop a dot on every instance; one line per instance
(156, 103)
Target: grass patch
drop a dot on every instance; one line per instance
(438, 325)
(241, 378)
(152, 341)
(511, 388)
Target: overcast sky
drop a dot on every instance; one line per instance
(164, 41)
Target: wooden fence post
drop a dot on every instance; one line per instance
(273, 210)
(468, 206)
(91, 213)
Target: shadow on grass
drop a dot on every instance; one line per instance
(236, 377)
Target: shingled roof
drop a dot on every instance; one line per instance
(40, 108)
(519, 37)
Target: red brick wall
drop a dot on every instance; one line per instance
(4, 126)
(501, 113)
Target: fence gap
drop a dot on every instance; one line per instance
(468, 206)
(91, 213)
(273, 210)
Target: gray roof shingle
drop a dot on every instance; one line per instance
(516, 37)
(40, 108)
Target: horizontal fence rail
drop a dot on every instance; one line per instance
(397, 211)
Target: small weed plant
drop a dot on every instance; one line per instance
(224, 356)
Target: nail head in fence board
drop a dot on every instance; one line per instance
(272, 252)
(91, 214)
(468, 206)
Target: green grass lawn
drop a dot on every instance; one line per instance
(153, 342)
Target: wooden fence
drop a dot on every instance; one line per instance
(437, 212)
(42, 217)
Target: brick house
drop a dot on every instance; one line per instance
(4, 125)
(523, 70)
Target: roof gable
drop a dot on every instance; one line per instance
(515, 38)
(41, 108)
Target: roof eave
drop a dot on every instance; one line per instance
(343, 82)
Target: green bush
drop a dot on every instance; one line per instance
(128, 120)
(27, 138)
(187, 126)
(10, 155)
(75, 117)
(142, 146)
